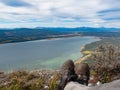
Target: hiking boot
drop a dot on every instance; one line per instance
(67, 74)
(83, 73)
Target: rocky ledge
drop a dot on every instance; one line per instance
(114, 85)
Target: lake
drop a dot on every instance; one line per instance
(47, 54)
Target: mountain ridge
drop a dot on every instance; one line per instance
(67, 28)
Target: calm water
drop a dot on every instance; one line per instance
(48, 54)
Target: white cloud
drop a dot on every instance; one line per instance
(84, 12)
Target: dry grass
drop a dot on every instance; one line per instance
(23, 80)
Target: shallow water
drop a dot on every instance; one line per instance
(48, 54)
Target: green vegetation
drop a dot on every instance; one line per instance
(23, 80)
(106, 64)
(94, 45)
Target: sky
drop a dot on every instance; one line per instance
(59, 13)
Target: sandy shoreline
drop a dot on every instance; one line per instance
(85, 53)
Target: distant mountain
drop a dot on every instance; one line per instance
(83, 29)
(27, 34)
(63, 29)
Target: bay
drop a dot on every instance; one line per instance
(46, 54)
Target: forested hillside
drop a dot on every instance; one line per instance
(27, 34)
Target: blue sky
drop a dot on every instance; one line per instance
(59, 13)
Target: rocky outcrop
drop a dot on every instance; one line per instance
(115, 85)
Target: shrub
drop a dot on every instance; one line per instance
(107, 62)
(54, 82)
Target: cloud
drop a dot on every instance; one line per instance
(94, 13)
(15, 3)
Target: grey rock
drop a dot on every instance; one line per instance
(115, 85)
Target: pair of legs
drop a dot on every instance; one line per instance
(69, 73)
